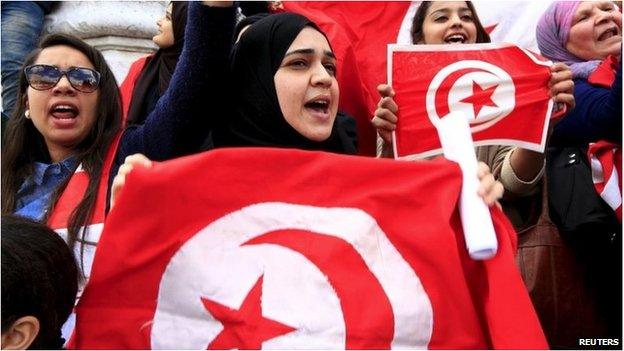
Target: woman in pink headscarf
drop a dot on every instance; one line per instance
(587, 36)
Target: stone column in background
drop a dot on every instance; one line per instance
(121, 30)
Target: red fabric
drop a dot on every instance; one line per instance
(127, 87)
(604, 74)
(606, 166)
(478, 81)
(359, 33)
(164, 213)
(75, 189)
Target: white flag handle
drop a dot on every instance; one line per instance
(457, 145)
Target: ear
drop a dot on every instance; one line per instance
(21, 334)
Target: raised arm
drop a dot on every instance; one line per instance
(188, 109)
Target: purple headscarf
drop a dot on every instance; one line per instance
(553, 30)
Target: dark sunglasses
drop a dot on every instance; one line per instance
(44, 77)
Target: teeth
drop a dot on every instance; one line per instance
(65, 109)
(321, 103)
(608, 34)
(455, 38)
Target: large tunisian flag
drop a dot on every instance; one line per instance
(214, 251)
(501, 89)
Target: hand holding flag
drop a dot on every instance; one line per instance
(482, 89)
(212, 251)
(130, 163)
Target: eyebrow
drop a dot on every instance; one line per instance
(582, 13)
(309, 52)
(445, 10)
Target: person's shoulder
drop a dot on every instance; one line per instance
(583, 87)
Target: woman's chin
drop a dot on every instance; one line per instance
(159, 41)
(616, 49)
(318, 136)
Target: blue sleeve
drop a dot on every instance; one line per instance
(181, 115)
(597, 115)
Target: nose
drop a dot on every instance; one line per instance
(603, 16)
(456, 21)
(321, 77)
(63, 87)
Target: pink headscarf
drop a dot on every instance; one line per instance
(553, 31)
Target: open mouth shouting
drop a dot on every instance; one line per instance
(609, 33)
(64, 114)
(456, 38)
(319, 106)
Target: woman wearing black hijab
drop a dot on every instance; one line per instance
(156, 73)
(263, 51)
(283, 89)
(345, 127)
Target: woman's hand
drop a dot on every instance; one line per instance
(120, 179)
(490, 189)
(561, 85)
(385, 118)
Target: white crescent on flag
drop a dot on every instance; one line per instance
(253, 271)
(469, 76)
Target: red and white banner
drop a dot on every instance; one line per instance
(606, 167)
(84, 247)
(501, 89)
(214, 251)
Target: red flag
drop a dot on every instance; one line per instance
(359, 33)
(606, 167)
(69, 200)
(213, 251)
(127, 86)
(501, 89)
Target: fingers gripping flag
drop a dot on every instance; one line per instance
(217, 251)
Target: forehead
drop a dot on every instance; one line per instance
(63, 57)
(310, 38)
(585, 6)
(448, 6)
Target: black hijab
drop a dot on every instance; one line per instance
(248, 21)
(156, 75)
(258, 119)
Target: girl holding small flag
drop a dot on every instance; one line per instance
(456, 22)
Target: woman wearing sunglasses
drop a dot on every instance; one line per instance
(64, 138)
(67, 114)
